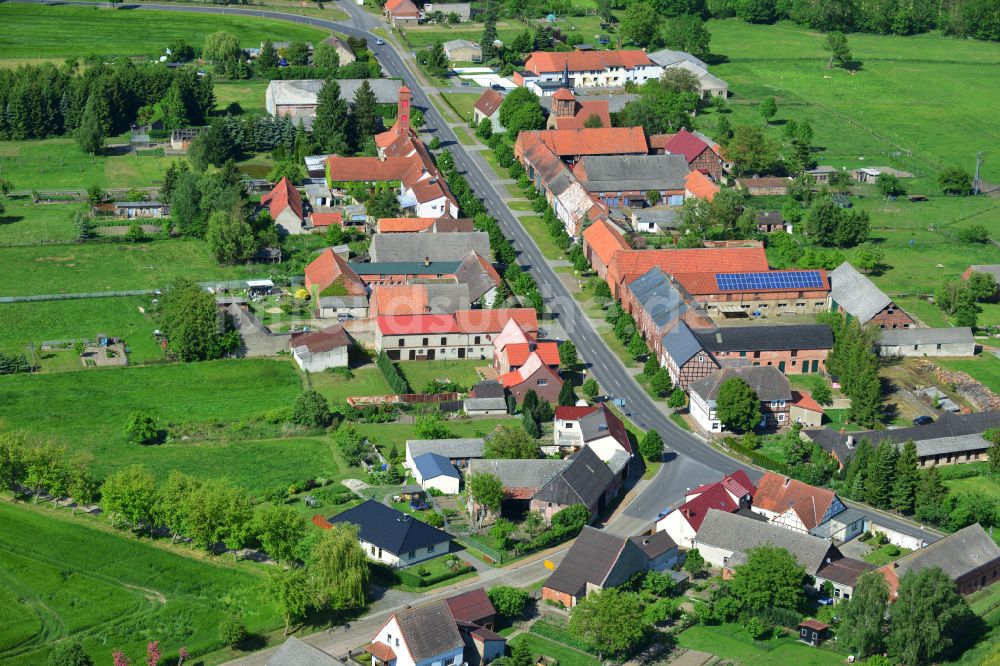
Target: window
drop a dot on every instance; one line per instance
(800, 305)
(475, 341)
(388, 638)
(795, 352)
(763, 306)
(916, 347)
(449, 661)
(818, 304)
(373, 550)
(701, 358)
(938, 345)
(782, 305)
(397, 642)
(444, 341)
(543, 382)
(774, 403)
(743, 354)
(781, 417)
(424, 343)
(402, 342)
(412, 554)
(794, 363)
(781, 403)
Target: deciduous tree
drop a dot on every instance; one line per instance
(840, 52)
(487, 491)
(925, 618)
(312, 409)
(737, 406)
(508, 601)
(129, 494)
(279, 529)
(640, 23)
(687, 33)
(862, 618)
(651, 445)
(338, 569)
(507, 442)
(767, 108)
(770, 578)
(140, 428)
(609, 622)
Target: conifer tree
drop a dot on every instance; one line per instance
(331, 122)
(904, 489)
(881, 474)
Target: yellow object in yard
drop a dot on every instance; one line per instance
(549, 565)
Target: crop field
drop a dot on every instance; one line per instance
(87, 410)
(23, 222)
(65, 579)
(59, 164)
(35, 31)
(923, 94)
(27, 323)
(95, 267)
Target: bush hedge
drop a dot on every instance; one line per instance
(393, 377)
(413, 579)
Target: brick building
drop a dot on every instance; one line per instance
(627, 267)
(600, 242)
(856, 296)
(759, 294)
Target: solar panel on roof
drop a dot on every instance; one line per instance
(769, 280)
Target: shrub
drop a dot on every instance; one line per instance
(232, 631)
(393, 377)
(312, 409)
(140, 428)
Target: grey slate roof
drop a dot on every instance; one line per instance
(488, 389)
(474, 404)
(737, 534)
(343, 301)
(294, 652)
(305, 91)
(951, 433)
(519, 473)
(681, 344)
(668, 58)
(663, 218)
(654, 544)
(599, 558)
(660, 298)
(583, 481)
(856, 294)
(992, 269)
(429, 630)
(766, 380)
(614, 173)
(404, 267)
(766, 338)
(471, 447)
(418, 247)
(927, 336)
(957, 554)
(472, 273)
(390, 529)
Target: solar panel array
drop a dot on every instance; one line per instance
(770, 280)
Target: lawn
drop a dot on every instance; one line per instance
(983, 486)
(424, 36)
(385, 435)
(873, 112)
(59, 164)
(249, 94)
(565, 655)
(984, 367)
(730, 641)
(98, 267)
(336, 388)
(463, 373)
(87, 410)
(65, 579)
(34, 31)
(884, 554)
(26, 323)
(24, 222)
(536, 228)
(461, 103)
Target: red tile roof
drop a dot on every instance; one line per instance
(564, 95)
(631, 264)
(381, 651)
(715, 497)
(327, 219)
(327, 268)
(585, 110)
(659, 141)
(390, 300)
(489, 102)
(573, 413)
(541, 62)
(471, 606)
(416, 324)
(284, 195)
(605, 240)
(591, 141)
(701, 186)
(518, 353)
(322, 340)
(389, 225)
(533, 365)
(493, 321)
(366, 169)
(685, 143)
(777, 493)
(806, 401)
(401, 8)
(739, 484)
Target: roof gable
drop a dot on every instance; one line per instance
(605, 240)
(599, 558)
(489, 102)
(583, 481)
(778, 494)
(856, 294)
(766, 380)
(429, 630)
(390, 529)
(284, 195)
(738, 534)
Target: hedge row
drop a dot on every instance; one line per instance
(407, 577)
(756, 457)
(396, 381)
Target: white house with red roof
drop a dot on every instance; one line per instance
(799, 506)
(533, 375)
(284, 203)
(594, 426)
(464, 334)
(545, 71)
(513, 346)
(733, 493)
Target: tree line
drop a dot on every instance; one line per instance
(97, 101)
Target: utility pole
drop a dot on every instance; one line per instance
(975, 181)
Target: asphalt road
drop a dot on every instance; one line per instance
(691, 462)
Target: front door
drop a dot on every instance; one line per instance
(781, 366)
(461, 352)
(815, 366)
(430, 354)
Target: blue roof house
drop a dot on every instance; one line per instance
(433, 470)
(393, 537)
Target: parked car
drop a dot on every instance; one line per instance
(379, 41)
(923, 420)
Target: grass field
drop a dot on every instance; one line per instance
(34, 31)
(463, 373)
(462, 103)
(985, 368)
(565, 655)
(883, 555)
(335, 388)
(730, 641)
(87, 410)
(59, 164)
(65, 579)
(26, 323)
(421, 37)
(95, 267)
(975, 485)
(24, 222)
(877, 108)
(249, 94)
(384, 435)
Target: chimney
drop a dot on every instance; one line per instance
(427, 261)
(850, 441)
